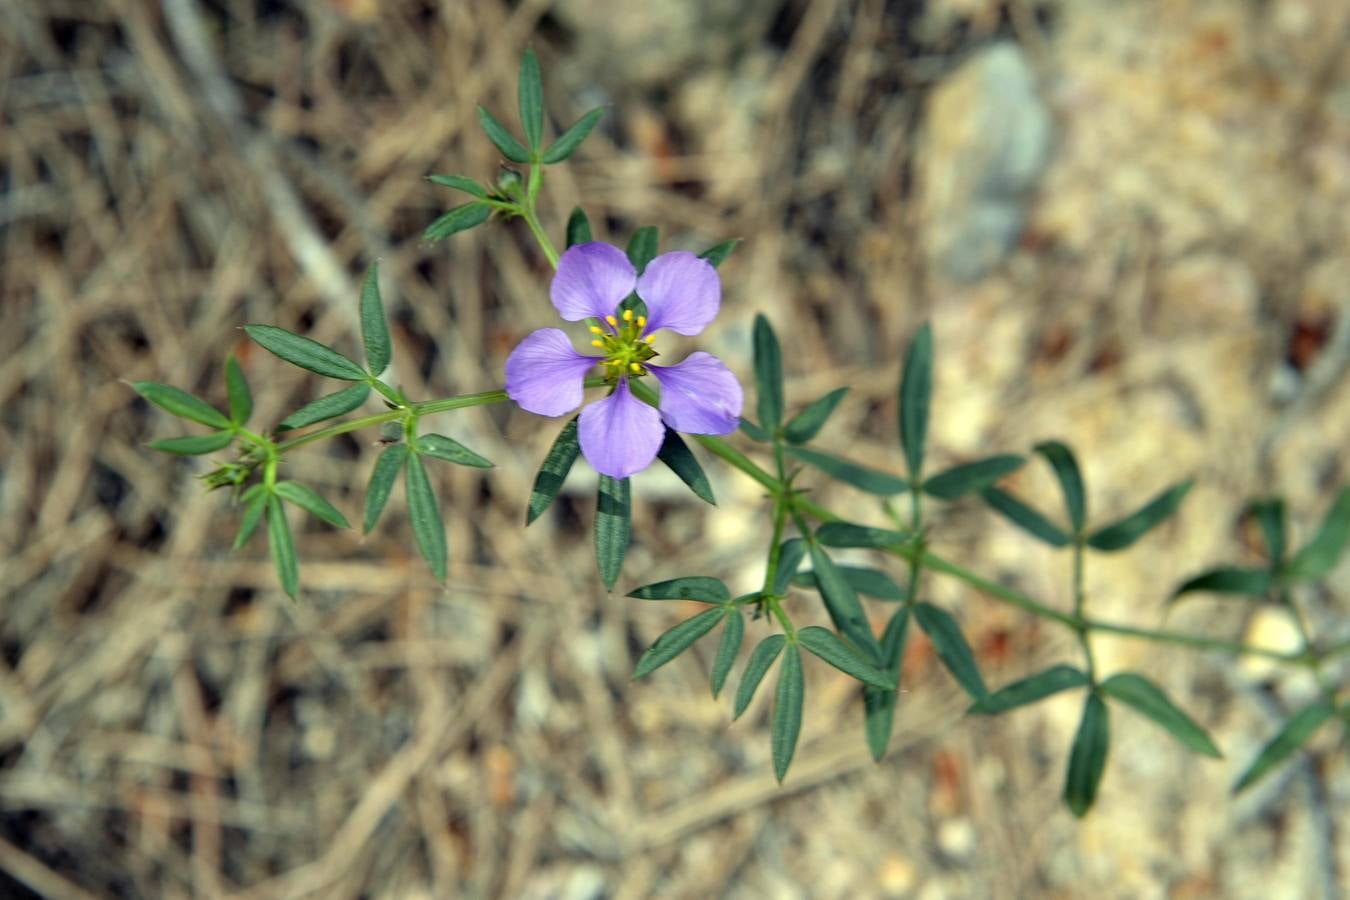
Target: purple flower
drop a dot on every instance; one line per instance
(620, 434)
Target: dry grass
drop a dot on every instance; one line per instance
(170, 726)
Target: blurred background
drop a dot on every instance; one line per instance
(1128, 222)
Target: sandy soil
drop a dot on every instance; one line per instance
(1165, 285)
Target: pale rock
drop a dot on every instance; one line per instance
(956, 838)
(897, 877)
(986, 141)
(1272, 629)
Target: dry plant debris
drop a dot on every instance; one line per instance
(171, 727)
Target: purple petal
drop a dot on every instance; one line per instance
(682, 292)
(545, 375)
(591, 281)
(699, 395)
(620, 434)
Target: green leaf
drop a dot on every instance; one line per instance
(1228, 580)
(732, 634)
(255, 503)
(760, 661)
(807, 423)
(194, 445)
(305, 498)
(613, 524)
(787, 711)
(461, 218)
(842, 604)
(846, 534)
(282, 545)
(553, 471)
(754, 432)
(1270, 516)
(878, 704)
(1087, 759)
(181, 404)
(578, 228)
(691, 587)
(883, 484)
(1320, 554)
(374, 330)
(568, 142)
(871, 582)
(1146, 697)
(790, 555)
(916, 394)
(971, 477)
(1295, 733)
(327, 407)
(506, 143)
(768, 375)
(381, 483)
(1121, 534)
(642, 246)
(677, 640)
(460, 183)
(531, 98)
(305, 353)
(439, 446)
(1029, 690)
(424, 511)
(1024, 517)
(680, 459)
(1066, 471)
(718, 254)
(236, 386)
(824, 644)
(951, 647)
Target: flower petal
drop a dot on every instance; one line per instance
(620, 434)
(699, 395)
(682, 292)
(545, 375)
(591, 280)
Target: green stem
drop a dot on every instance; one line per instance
(341, 428)
(531, 217)
(1079, 603)
(425, 408)
(738, 460)
(775, 544)
(1036, 608)
(776, 608)
(1305, 637)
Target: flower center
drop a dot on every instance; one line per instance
(625, 347)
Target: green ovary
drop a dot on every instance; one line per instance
(626, 350)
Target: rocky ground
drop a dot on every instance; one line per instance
(1128, 224)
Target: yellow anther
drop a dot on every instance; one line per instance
(650, 338)
(597, 343)
(596, 329)
(637, 369)
(628, 315)
(613, 321)
(642, 321)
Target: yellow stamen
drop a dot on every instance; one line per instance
(596, 329)
(613, 321)
(642, 321)
(597, 343)
(650, 338)
(637, 370)
(628, 315)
